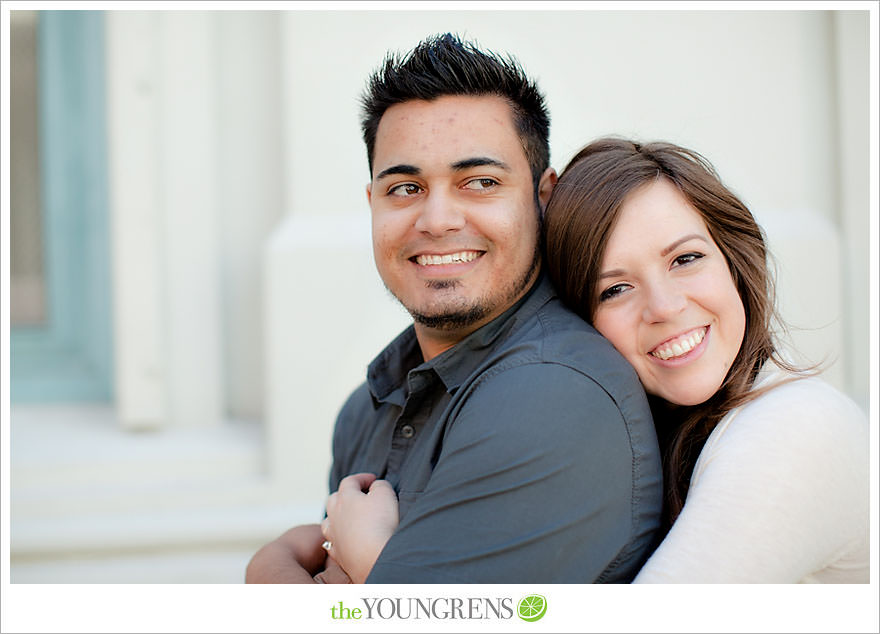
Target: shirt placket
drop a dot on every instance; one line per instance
(410, 424)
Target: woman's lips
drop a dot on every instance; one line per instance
(680, 345)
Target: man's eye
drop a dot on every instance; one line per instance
(612, 291)
(404, 189)
(481, 184)
(687, 258)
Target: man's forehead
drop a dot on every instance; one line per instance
(448, 130)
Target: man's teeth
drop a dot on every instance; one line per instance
(449, 258)
(680, 346)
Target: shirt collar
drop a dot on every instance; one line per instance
(387, 374)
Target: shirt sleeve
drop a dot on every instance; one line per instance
(779, 492)
(348, 434)
(534, 483)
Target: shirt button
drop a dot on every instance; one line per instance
(407, 431)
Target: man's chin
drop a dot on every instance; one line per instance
(450, 320)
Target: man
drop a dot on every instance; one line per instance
(518, 442)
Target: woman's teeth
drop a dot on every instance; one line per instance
(680, 346)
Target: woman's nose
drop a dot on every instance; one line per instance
(664, 301)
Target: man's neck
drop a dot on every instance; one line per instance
(434, 341)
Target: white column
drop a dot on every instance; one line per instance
(139, 309)
(162, 74)
(251, 186)
(327, 316)
(852, 55)
(188, 171)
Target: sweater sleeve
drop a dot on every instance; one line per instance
(780, 492)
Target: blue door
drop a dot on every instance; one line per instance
(65, 352)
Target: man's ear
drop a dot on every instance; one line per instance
(369, 193)
(545, 186)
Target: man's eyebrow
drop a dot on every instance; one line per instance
(479, 161)
(410, 170)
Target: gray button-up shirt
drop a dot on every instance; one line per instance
(524, 454)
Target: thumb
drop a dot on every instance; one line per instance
(356, 482)
(382, 487)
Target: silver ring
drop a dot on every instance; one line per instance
(327, 544)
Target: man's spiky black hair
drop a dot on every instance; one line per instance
(444, 65)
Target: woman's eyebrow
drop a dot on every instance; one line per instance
(612, 273)
(666, 251)
(682, 240)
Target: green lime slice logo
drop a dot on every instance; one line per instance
(532, 607)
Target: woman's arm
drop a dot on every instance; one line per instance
(361, 517)
(780, 490)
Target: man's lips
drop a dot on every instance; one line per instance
(436, 259)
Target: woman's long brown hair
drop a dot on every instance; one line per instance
(577, 224)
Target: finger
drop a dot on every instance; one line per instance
(332, 501)
(357, 482)
(381, 484)
(382, 487)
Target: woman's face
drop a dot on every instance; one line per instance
(666, 299)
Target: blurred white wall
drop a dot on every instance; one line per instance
(758, 93)
(239, 178)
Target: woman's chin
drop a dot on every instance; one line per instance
(684, 396)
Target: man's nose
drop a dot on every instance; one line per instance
(440, 214)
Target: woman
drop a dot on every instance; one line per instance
(766, 468)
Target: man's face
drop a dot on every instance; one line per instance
(455, 224)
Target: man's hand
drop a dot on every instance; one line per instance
(295, 557)
(361, 517)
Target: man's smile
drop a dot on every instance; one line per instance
(428, 259)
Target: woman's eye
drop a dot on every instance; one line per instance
(687, 258)
(404, 189)
(612, 291)
(481, 184)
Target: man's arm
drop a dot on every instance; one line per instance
(540, 480)
(295, 557)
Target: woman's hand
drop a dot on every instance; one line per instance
(361, 517)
